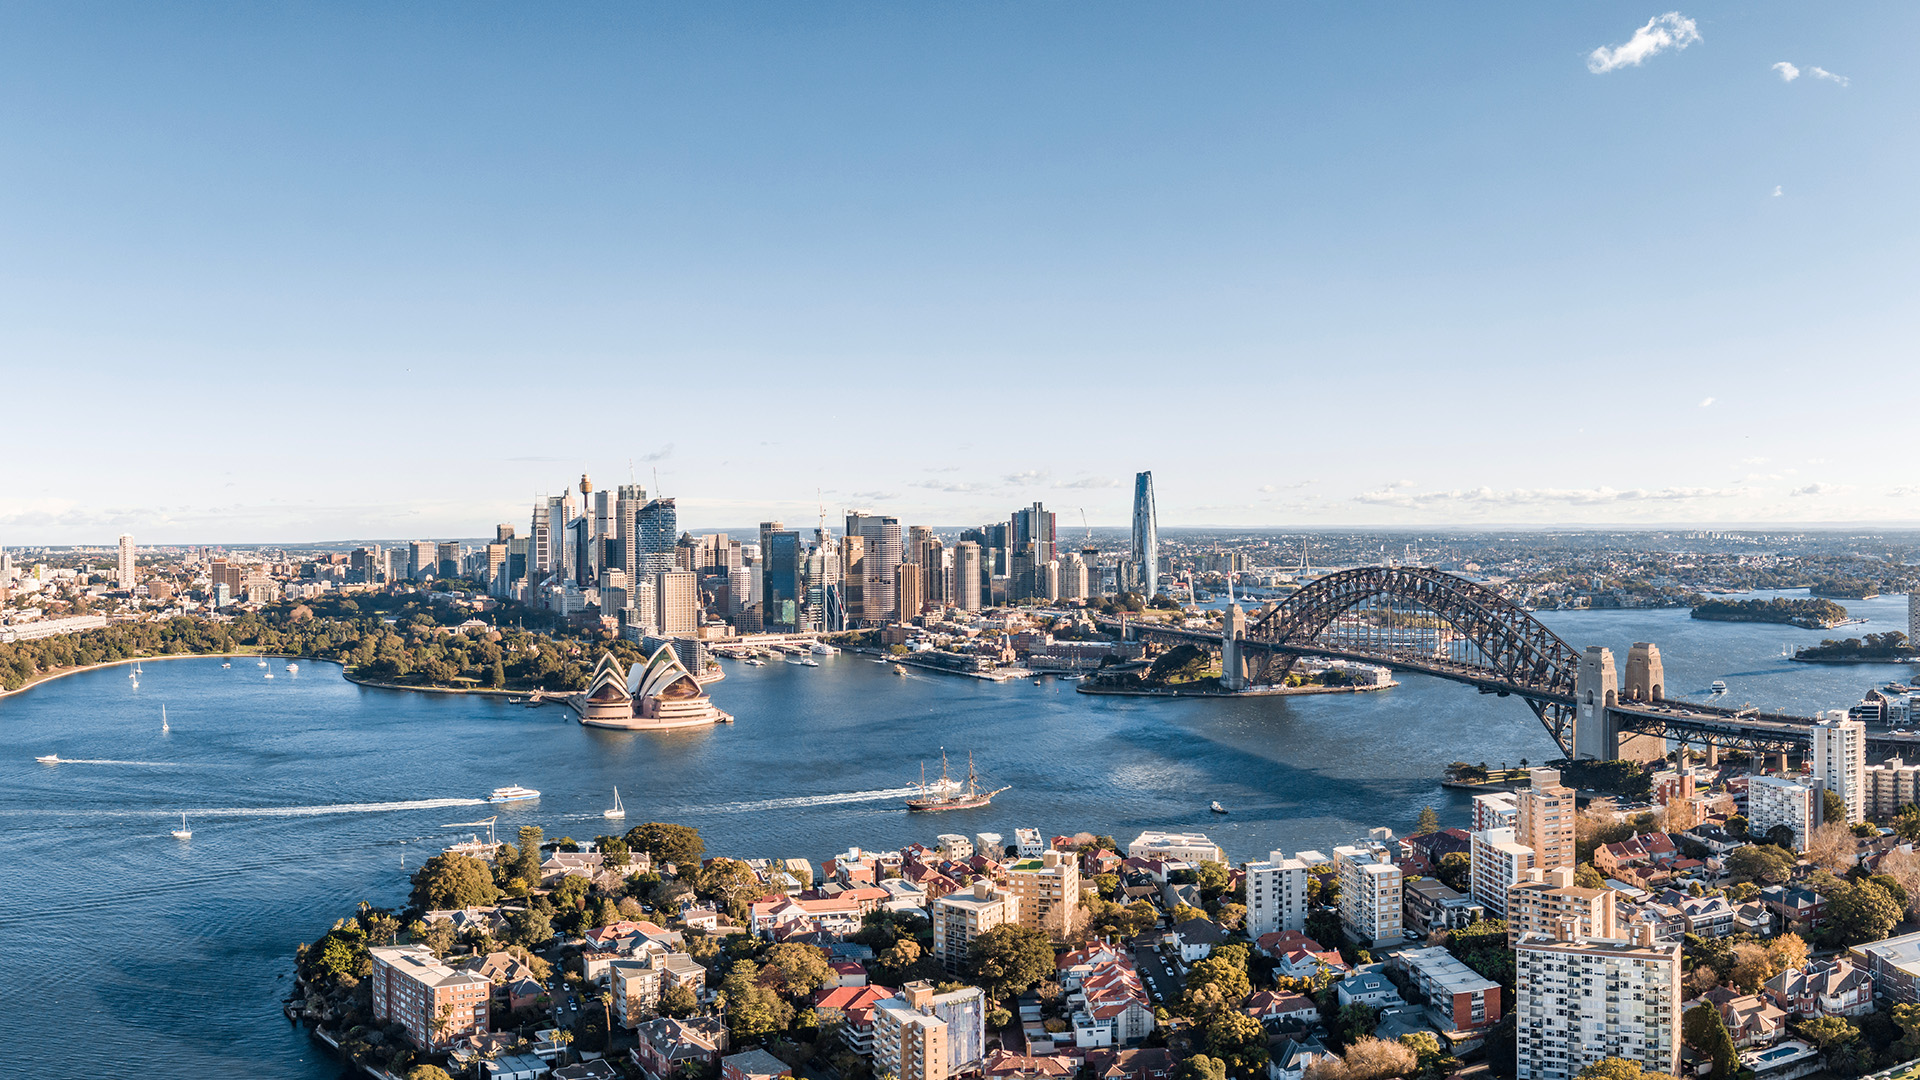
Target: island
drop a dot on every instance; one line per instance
(1845, 588)
(1873, 649)
(1811, 613)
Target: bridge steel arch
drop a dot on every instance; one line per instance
(1516, 653)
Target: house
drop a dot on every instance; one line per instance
(1368, 988)
(1835, 987)
(853, 1005)
(1073, 967)
(1797, 909)
(1643, 850)
(1299, 956)
(1197, 937)
(1110, 1007)
(1003, 1065)
(847, 973)
(1147, 1063)
(1269, 1007)
(1422, 854)
(1755, 918)
(1706, 916)
(1289, 1058)
(524, 993)
(1751, 1019)
(666, 1043)
(753, 1065)
(514, 1067)
(586, 864)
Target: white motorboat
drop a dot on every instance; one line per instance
(753, 661)
(183, 833)
(48, 759)
(898, 670)
(1216, 807)
(1719, 686)
(512, 793)
(227, 665)
(618, 810)
(803, 661)
(292, 667)
(821, 648)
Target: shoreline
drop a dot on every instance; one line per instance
(1915, 659)
(1272, 691)
(48, 677)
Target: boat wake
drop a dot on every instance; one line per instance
(812, 800)
(107, 761)
(336, 808)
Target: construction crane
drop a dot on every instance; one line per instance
(1083, 521)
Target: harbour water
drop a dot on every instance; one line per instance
(307, 794)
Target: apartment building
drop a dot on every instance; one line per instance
(921, 1035)
(435, 1003)
(1579, 1000)
(638, 984)
(1544, 821)
(1276, 895)
(1840, 760)
(1891, 785)
(1495, 810)
(1772, 802)
(960, 917)
(1371, 900)
(1543, 899)
(1458, 997)
(1499, 862)
(1048, 890)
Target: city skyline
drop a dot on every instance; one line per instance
(1318, 268)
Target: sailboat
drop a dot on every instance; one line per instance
(183, 833)
(163, 720)
(948, 796)
(618, 810)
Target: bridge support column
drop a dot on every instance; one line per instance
(1713, 753)
(1596, 688)
(1233, 660)
(1780, 762)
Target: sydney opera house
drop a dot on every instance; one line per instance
(653, 696)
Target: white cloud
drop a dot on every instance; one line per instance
(956, 487)
(1907, 491)
(1823, 73)
(1021, 479)
(1090, 482)
(1776, 191)
(1817, 489)
(1706, 403)
(1754, 460)
(1662, 32)
(1787, 71)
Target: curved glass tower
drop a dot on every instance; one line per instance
(1146, 535)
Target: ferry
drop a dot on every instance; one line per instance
(512, 793)
(1719, 686)
(821, 648)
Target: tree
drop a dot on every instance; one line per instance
(676, 844)
(1702, 1029)
(1613, 1068)
(1434, 1061)
(1752, 966)
(1832, 846)
(614, 849)
(1903, 866)
(440, 937)
(427, 1072)
(1200, 1067)
(1009, 958)
(1789, 950)
(1828, 1032)
(1834, 806)
(1760, 862)
(527, 867)
(1239, 1041)
(453, 881)
(1906, 823)
(1215, 984)
(1213, 878)
(1429, 822)
(1454, 870)
(1353, 1022)
(802, 968)
(1860, 911)
(1483, 947)
(1737, 826)
(897, 960)
(1587, 877)
(1367, 1059)
(679, 1002)
(530, 928)
(729, 883)
(753, 1011)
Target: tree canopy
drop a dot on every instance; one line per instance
(448, 881)
(676, 844)
(1009, 958)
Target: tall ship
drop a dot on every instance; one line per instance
(948, 794)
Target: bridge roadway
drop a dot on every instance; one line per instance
(1681, 721)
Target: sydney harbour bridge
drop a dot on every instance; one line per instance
(1413, 619)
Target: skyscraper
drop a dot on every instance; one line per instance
(1839, 760)
(781, 574)
(1146, 535)
(657, 528)
(909, 585)
(628, 502)
(124, 578)
(880, 558)
(966, 576)
(446, 559)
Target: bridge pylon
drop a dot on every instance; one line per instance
(1233, 659)
(1597, 733)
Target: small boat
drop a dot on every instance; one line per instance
(803, 661)
(1216, 807)
(262, 663)
(269, 674)
(227, 665)
(183, 833)
(881, 660)
(898, 670)
(292, 667)
(618, 810)
(512, 793)
(48, 759)
(1719, 686)
(820, 648)
(163, 720)
(755, 662)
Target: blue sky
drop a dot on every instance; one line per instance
(312, 271)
